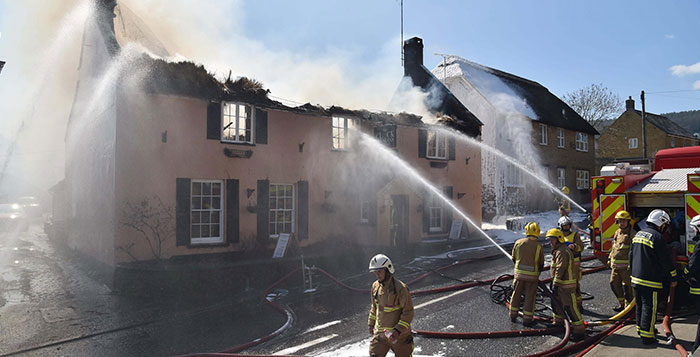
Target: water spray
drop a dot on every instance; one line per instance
(510, 160)
(376, 145)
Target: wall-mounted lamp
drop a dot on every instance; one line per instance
(164, 136)
(301, 147)
(466, 161)
(249, 191)
(460, 194)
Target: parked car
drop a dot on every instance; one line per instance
(12, 217)
(30, 205)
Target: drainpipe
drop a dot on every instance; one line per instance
(644, 128)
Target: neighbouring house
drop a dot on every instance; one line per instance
(224, 170)
(525, 121)
(623, 141)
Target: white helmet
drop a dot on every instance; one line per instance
(658, 217)
(564, 220)
(695, 222)
(381, 261)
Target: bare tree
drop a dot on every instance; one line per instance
(152, 220)
(594, 103)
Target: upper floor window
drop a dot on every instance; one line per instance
(543, 134)
(561, 139)
(582, 179)
(236, 123)
(436, 145)
(633, 143)
(582, 142)
(341, 132)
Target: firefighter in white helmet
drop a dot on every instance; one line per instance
(620, 282)
(528, 257)
(574, 242)
(391, 312)
(692, 274)
(651, 269)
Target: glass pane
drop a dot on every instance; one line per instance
(216, 189)
(288, 192)
(205, 231)
(206, 202)
(272, 228)
(216, 203)
(196, 188)
(287, 203)
(287, 228)
(214, 217)
(196, 217)
(196, 203)
(273, 190)
(205, 217)
(206, 188)
(195, 231)
(287, 216)
(215, 230)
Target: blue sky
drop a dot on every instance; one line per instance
(627, 46)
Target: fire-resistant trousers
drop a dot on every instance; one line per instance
(578, 273)
(621, 284)
(567, 302)
(647, 303)
(696, 300)
(380, 345)
(530, 290)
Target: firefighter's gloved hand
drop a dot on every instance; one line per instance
(371, 330)
(394, 336)
(674, 283)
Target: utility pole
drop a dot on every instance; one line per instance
(401, 33)
(644, 127)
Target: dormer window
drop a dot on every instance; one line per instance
(236, 123)
(436, 146)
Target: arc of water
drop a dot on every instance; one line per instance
(397, 161)
(468, 140)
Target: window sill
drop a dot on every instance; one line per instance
(208, 245)
(438, 164)
(237, 143)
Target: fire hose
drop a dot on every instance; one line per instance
(667, 323)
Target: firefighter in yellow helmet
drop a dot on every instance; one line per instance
(391, 312)
(564, 204)
(528, 257)
(573, 240)
(620, 281)
(564, 284)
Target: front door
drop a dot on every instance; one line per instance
(398, 221)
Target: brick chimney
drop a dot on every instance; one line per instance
(412, 53)
(629, 103)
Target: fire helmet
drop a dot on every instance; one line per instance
(695, 222)
(623, 215)
(556, 233)
(565, 190)
(658, 217)
(564, 220)
(381, 261)
(532, 229)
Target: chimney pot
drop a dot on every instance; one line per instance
(629, 103)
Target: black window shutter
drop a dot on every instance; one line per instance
(422, 142)
(214, 121)
(260, 126)
(182, 211)
(448, 210)
(263, 210)
(303, 210)
(232, 214)
(373, 211)
(452, 147)
(426, 211)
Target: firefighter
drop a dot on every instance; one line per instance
(528, 257)
(692, 274)
(564, 204)
(574, 242)
(391, 313)
(651, 270)
(620, 282)
(564, 284)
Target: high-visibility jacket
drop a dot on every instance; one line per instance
(650, 263)
(392, 307)
(528, 257)
(692, 271)
(620, 252)
(562, 269)
(575, 239)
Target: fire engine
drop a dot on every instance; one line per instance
(673, 185)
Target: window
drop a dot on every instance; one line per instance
(437, 146)
(206, 213)
(633, 143)
(341, 132)
(561, 139)
(436, 213)
(561, 176)
(582, 142)
(673, 142)
(582, 179)
(543, 134)
(236, 123)
(514, 176)
(545, 172)
(281, 209)
(364, 211)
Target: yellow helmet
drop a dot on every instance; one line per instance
(555, 232)
(623, 215)
(565, 190)
(532, 229)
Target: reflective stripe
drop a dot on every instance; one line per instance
(372, 317)
(528, 313)
(564, 282)
(624, 246)
(647, 283)
(524, 272)
(695, 291)
(577, 260)
(685, 270)
(619, 261)
(391, 309)
(641, 240)
(404, 324)
(673, 273)
(526, 267)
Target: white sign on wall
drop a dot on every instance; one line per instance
(281, 247)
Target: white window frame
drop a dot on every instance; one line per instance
(561, 138)
(340, 132)
(513, 176)
(582, 179)
(273, 210)
(633, 143)
(435, 214)
(199, 212)
(561, 176)
(231, 123)
(673, 142)
(364, 211)
(581, 142)
(543, 134)
(440, 145)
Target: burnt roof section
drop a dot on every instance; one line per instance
(548, 108)
(446, 102)
(665, 124)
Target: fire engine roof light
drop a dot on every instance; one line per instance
(617, 180)
(694, 178)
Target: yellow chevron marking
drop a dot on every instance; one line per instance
(612, 187)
